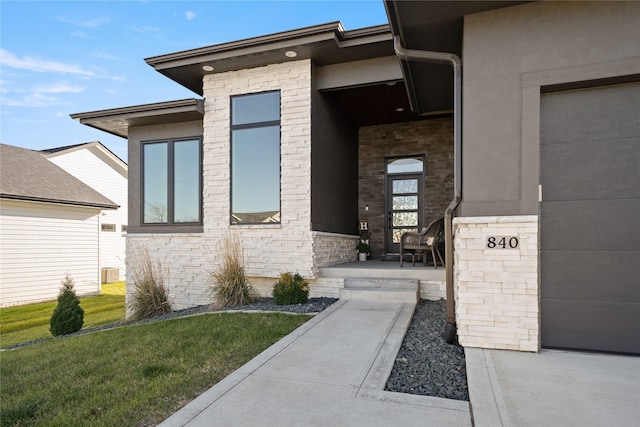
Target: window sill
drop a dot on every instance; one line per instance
(157, 229)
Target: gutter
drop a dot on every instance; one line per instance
(454, 60)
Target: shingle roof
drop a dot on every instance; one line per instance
(28, 175)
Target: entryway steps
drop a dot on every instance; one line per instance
(381, 289)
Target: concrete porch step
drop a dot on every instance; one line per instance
(381, 289)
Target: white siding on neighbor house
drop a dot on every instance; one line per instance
(41, 242)
(89, 168)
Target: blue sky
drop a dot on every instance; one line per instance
(64, 57)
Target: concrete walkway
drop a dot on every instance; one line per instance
(332, 370)
(553, 388)
(329, 372)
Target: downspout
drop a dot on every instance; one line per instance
(454, 60)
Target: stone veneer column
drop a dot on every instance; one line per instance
(497, 298)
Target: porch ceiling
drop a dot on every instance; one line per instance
(434, 26)
(374, 104)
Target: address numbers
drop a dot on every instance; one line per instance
(502, 242)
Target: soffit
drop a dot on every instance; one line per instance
(324, 44)
(434, 26)
(117, 121)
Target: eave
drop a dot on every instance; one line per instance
(117, 121)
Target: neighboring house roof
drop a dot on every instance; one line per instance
(117, 121)
(28, 175)
(98, 149)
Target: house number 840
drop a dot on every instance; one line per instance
(502, 242)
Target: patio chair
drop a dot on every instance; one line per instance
(419, 243)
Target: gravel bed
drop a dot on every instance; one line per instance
(426, 364)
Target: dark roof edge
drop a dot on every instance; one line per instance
(59, 202)
(334, 29)
(196, 104)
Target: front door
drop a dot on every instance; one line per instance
(405, 201)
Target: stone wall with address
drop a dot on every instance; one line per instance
(496, 282)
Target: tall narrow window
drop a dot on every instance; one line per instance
(255, 158)
(171, 190)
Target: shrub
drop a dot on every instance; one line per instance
(150, 295)
(68, 316)
(290, 289)
(230, 285)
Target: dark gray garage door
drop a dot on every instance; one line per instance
(590, 219)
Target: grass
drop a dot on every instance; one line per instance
(133, 375)
(30, 322)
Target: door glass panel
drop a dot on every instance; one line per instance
(405, 219)
(398, 232)
(405, 166)
(405, 202)
(405, 186)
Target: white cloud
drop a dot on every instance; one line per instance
(31, 100)
(9, 59)
(86, 23)
(59, 87)
(190, 15)
(146, 29)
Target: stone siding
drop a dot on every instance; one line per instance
(269, 249)
(497, 301)
(330, 249)
(431, 138)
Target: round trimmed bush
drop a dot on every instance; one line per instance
(290, 289)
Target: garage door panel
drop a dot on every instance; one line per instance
(593, 170)
(590, 219)
(591, 225)
(591, 325)
(595, 114)
(591, 275)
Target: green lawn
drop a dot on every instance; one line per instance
(30, 322)
(134, 375)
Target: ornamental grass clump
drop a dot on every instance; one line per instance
(150, 294)
(230, 285)
(290, 289)
(68, 316)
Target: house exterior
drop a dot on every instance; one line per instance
(95, 165)
(518, 121)
(49, 226)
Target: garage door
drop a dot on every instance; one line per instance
(590, 219)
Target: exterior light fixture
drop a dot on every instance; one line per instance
(207, 68)
(399, 109)
(291, 54)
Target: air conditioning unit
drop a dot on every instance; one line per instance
(110, 275)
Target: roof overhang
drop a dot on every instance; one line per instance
(325, 44)
(117, 121)
(433, 26)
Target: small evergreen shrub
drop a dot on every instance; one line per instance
(230, 286)
(68, 316)
(150, 295)
(290, 289)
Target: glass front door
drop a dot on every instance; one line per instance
(404, 207)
